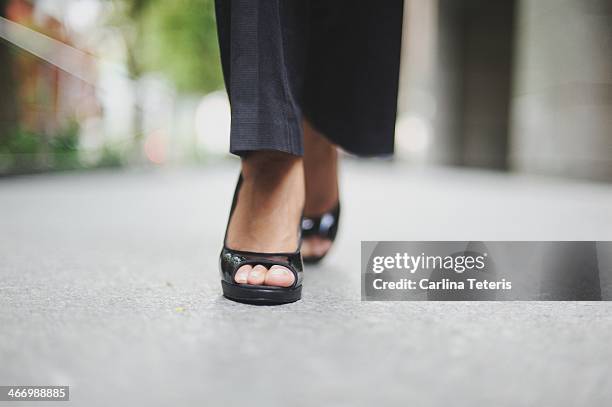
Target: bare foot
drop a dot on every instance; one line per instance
(267, 214)
(321, 180)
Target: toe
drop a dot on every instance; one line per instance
(279, 276)
(257, 275)
(315, 247)
(321, 247)
(308, 247)
(242, 274)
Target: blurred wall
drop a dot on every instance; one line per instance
(524, 85)
(562, 97)
(473, 82)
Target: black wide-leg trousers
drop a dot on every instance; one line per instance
(332, 62)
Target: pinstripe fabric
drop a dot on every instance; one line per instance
(334, 62)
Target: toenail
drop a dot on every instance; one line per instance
(278, 271)
(255, 273)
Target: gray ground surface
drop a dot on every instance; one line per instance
(108, 283)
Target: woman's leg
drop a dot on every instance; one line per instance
(267, 213)
(321, 181)
(262, 49)
(348, 62)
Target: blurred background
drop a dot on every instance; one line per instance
(109, 278)
(519, 85)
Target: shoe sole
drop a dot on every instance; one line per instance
(261, 295)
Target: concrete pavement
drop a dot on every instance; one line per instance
(109, 284)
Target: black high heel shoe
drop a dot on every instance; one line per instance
(324, 227)
(231, 260)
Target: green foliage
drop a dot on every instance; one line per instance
(23, 143)
(20, 150)
(23, 151)
(179, 38)
(64, 148)
(111, 157)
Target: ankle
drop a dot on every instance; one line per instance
(315, 141)
(269, 204)
(274, 177)
(270, 166)
(318, 204)
(321, 169)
